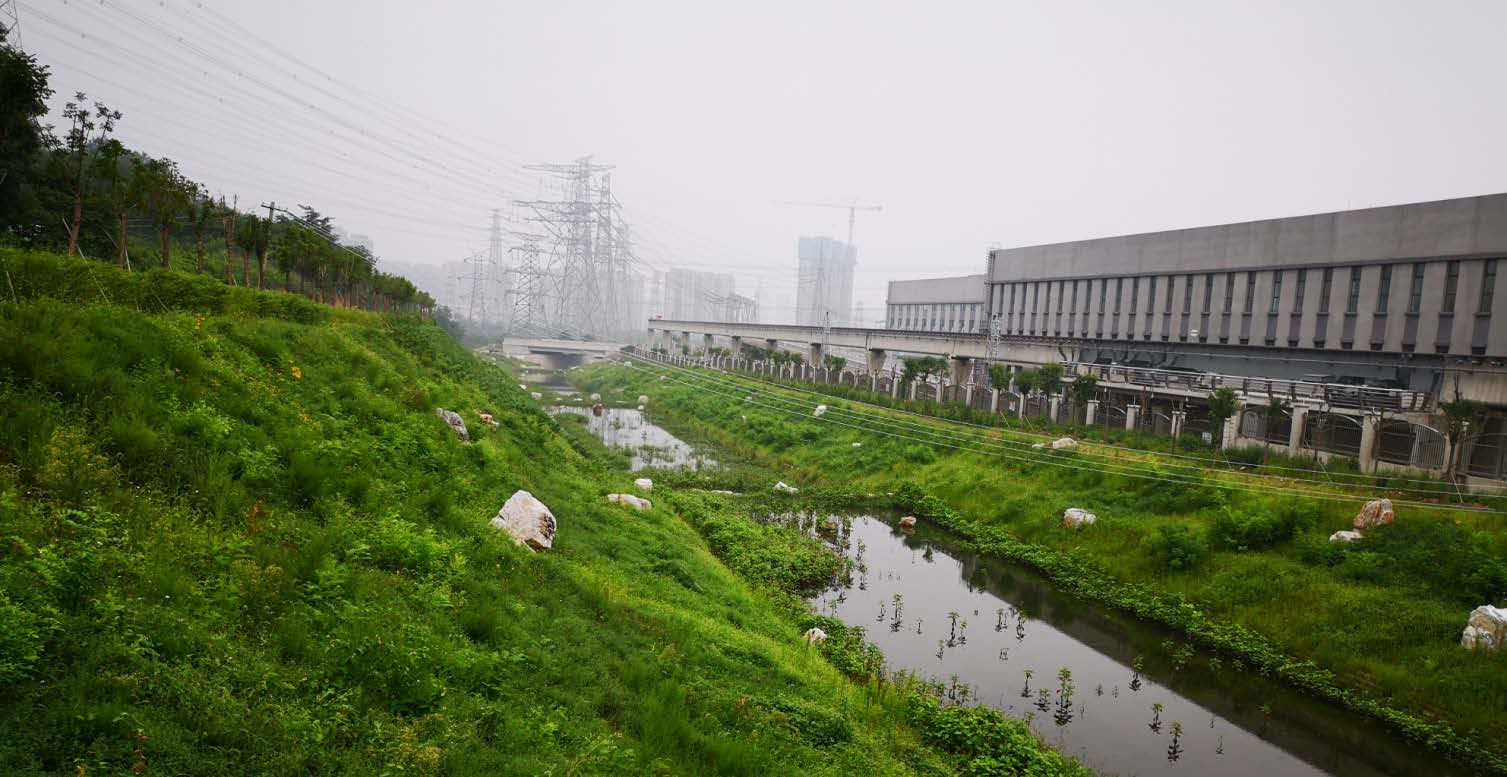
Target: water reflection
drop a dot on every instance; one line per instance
(1114, 692)
(625, 428)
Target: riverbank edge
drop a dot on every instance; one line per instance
(1092, 583)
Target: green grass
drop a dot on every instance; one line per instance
(1380, 619)
(235, 539)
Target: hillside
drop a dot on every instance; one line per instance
(237, 539)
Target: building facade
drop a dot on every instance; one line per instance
(1408, 279)
(955, 304)
(695, 295)
(824, 282)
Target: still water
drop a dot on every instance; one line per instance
(1010, 621)
(625, 428)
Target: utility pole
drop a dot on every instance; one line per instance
(266, 250)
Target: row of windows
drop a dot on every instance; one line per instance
(1034, 308)
(941, 317)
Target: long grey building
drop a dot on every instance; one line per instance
(953, 304)
(1405, 279)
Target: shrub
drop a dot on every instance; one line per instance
(1441, 555)
(1175, 547)
(1262, 528)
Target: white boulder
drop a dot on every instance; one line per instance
(536, 396)
(1375, 513)
(523, 387)
(857, 445)
(640, 408)
(643, 399)
(815, 635)
(636, 502)
(527, 521)
(1345, 536)
(1038, 446)
(1486, 629)
(820, 409)
(785, 488)
(908, 522)
(1077, 518)
(644, 483)
(1064, 442)
(454, 421)
(596, 398)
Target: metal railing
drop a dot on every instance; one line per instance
(1343, 395)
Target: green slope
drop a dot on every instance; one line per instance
(235, 539)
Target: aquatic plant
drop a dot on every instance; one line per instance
(1156, 718)
(1175, 750)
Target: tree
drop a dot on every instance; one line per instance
(23, 102)
(1459, 414)
(1082, 391)
(922, 367)
(834, 363)
(201, 212)
(1049, 378)
(167, 196)
(999, 376)
(77, 145)
(1025, 380)
(228, 217)
(1222, 404)
(251, 238)
(122, 190)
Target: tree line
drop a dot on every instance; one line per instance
(76, 189)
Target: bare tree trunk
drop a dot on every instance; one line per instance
(261, 267)
(246, 266)
(120, 243)
(165, 248)
(229, 221)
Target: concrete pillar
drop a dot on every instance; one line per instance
(1132, 416)
(1091, 414)
(1020, 403)
(816, 354)
(962, 367)
(706, 343)
(876, 360)
(873, 382)
(993, 400)
(1295, 435)
(772, 345)
(1053, 405)
(735, 344)
(1369, 426)
(1178, 418)
(913, 389)
(894, 386)
(968, 395)
(1229, 431)
(685, 339)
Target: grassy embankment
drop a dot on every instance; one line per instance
(234, 538)
(1374, 626)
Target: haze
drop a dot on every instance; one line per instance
(972, 123)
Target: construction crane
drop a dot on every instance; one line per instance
(851, 208)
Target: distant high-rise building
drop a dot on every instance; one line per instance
(824, 282)
(693, 295)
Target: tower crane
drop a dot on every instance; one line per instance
(852, 208)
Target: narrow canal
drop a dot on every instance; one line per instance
(1133, 701)
(625, 428)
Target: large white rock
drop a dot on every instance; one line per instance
(454, 421)
(640, 408)
(527, 521)
(644, 483)
(596, 397)
(908, 522)
(536, 396)
(1486, 629)
(857, 445)
(1064, 442)
(636, 502)
(785, 488)
(1345, 536)
(820, 409)
(1077, 518)
(1375, 513)
(1039, 446)
(521, 386)
(815, 635)
(643, 399)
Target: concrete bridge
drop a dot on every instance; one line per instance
(555, 354)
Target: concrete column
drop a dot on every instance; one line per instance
(1053, 405)
(735, 344)
(685, 339)
(876, 360)
(706, 342)
(1178, 417)
(816, 354)
(772, 345)
(1020, 405)
(968, 395)
(1230, 430)
(873, 382)
(962, 367)
(1295, 435)
(1091, 413)
(1369, 426)
(1132, 416)
(894, 386)
(993, 400)
(913, 389)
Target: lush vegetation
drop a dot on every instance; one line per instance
(1373, 625)
(234, 538)
(79, 191)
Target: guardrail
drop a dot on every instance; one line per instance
(1296, 391)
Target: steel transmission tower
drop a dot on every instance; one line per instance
(10, 19)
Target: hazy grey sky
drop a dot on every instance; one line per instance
(971, 122)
